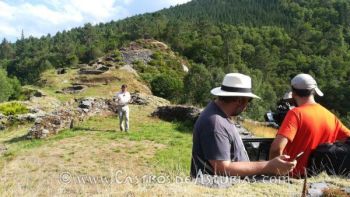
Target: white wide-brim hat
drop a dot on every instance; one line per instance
(235, 84)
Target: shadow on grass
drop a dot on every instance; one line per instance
(17, 139)
(92, 129)
(184, 126)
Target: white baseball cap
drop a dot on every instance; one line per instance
(235, 84)
(305, 82)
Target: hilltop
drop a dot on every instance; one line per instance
(271, 41)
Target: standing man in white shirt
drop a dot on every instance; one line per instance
(123, 98)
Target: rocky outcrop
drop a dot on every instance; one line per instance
(177, 113)
(132, 56)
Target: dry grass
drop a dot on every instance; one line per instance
(95, 159)
(260, 130)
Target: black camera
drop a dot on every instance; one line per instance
(276, 118)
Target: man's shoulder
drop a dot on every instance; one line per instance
(210, 122)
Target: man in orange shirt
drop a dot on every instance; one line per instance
(307, 125)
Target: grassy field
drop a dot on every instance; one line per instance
(96, 159)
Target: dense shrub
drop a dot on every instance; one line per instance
(13, 108)
(167, 86)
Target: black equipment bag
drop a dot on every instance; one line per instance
(332, 158)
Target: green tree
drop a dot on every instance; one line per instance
(5, 86)
(167, 86)
(197, 85)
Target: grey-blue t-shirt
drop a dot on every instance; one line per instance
(215, 137)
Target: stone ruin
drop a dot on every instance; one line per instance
(99, 66)
(64, 118)
(74, 89)
(177, 113)
(51, 124)
(86, 71)
(2, 122)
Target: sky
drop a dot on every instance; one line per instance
(40, 17)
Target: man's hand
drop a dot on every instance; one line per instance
(280, 165)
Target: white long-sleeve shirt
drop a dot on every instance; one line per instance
(123, 98)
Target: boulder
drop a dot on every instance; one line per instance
(61, 71)
(177, 113)
(26, 117)
(38, 93)
(86, 103)
(185, 68)
(316, 189)
(2, 127)
(3, 149)
(137, 99)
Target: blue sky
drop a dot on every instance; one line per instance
(39, 17)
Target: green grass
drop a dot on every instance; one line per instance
(174, 158)
(17, 143)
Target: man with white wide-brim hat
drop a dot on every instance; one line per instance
(307, 125)
(217, 146)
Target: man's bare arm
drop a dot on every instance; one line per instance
(277, 166)
(277, 147)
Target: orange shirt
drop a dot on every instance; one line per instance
(306, 127)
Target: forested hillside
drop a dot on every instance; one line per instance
(270, 40)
